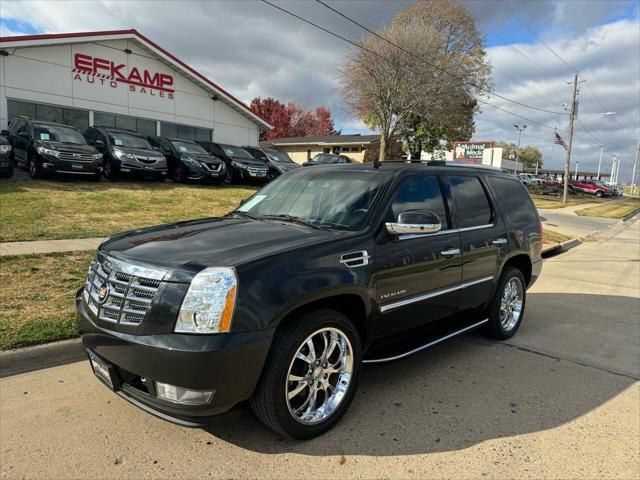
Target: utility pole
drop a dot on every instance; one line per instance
(567, 160)
(520, 129)
(600, 160)
(635, 170)
(577, 163)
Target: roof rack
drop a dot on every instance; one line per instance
(443, 163)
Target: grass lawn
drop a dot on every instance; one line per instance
(37, 297)
(552, 237)
(49, 209)
(546, 201)
(613, 209)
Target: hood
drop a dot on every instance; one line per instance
(76, 147)
(286, 167)
(215, 242)
(208, 159)
(255, 163)
(145, 152)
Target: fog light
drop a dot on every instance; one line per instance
(183, 395)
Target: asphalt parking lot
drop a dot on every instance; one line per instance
(559, 400)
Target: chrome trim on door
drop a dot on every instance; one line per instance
(444, 232)
(355, 259)
(499, 241)
(426, 345)
(447, 253)
(435, 293)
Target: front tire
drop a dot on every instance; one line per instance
(599, 194)
(34, 167)
(311, 375)
(507, 306)
(228, 177)
(109, 171)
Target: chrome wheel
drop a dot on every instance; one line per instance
(319, 376)
(511, 304)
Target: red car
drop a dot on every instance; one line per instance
(590, 186)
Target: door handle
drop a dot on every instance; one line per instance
(499, 241)
(450, 252)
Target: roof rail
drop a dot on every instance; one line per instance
(443, 163)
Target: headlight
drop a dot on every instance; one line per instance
(191, 161)
(120, 154)
(47, 151)
(209, 303)
(5, 148)
(238, 164)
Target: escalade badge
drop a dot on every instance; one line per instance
(103, 292)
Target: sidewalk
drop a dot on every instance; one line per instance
(48, 246)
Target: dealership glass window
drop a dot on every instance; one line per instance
(101, 119)
(76, 118)
(126, 123)
(186, 132)
(49, 113)
(145, 127)
(16, 107)
(142, 126)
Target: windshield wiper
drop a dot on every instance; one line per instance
(298, 220)
(247, 215)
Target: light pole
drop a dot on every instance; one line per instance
(635, 170)
(600, 160)
(576, 174)
(520, 128)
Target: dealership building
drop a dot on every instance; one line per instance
(119, 79)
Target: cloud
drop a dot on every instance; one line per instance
(252, 49)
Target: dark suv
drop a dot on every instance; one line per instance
(281, 301)
(241, 166)
(6, 157)
(188, 160)
(126, 152)
(277, 161)
(46, 147)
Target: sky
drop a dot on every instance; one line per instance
(535, 47)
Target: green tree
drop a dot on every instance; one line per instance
(419, 75)
(528, 157)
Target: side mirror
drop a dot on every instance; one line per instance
(24, 134)
(4, 133)
(413, 222)
(99, 143)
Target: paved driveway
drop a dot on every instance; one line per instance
(559, 400)
(566, 221)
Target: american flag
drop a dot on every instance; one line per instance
(559, 141)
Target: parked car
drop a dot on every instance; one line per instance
(187, 160)
(281, 301)
(126, 152)
(614, 190)
(6, 157)
(241, 166)
(46, 147)
(277, 161)
(530, 179)
(590, 186)
(327, 159)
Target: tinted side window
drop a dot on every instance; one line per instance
(473, 205)
(421, 193)
(514, 200)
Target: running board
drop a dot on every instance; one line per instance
(426, 345)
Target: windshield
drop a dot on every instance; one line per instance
(277, 156)
(188, 147)
(324, 158)
(340, 200)
(238, 152)
(57, 133)
(127, 140)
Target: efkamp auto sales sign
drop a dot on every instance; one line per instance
(109, 74)
(470, 150)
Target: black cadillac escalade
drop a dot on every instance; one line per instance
(323, 270)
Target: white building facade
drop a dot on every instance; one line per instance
(119, 79)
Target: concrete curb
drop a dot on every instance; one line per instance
(13, 362)
(630, 216)
(560, 248)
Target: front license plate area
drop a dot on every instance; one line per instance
(103, 370)
(77, 167)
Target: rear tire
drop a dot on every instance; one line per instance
(599, 194)
(506, 309)
(178, 175)
(294, 375)
(109, 171)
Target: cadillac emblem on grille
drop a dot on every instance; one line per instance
(103, 292)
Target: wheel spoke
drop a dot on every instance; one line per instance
(295, 378)
(301, 386)
(312, 350)
(304, 358)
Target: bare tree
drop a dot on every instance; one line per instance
(428, 63)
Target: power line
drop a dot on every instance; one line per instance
(535, 35)
(592, 134)
(422, 59)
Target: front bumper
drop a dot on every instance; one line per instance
(138, 168)
(6, 163)
(54, 164)
(229, 364)
(205, 173)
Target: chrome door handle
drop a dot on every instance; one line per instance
(448, 253)
(499, 241)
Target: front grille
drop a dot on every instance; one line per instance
(127, 290)
(213, 167)
(257, 171)
(147, 160)
(75, 156)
